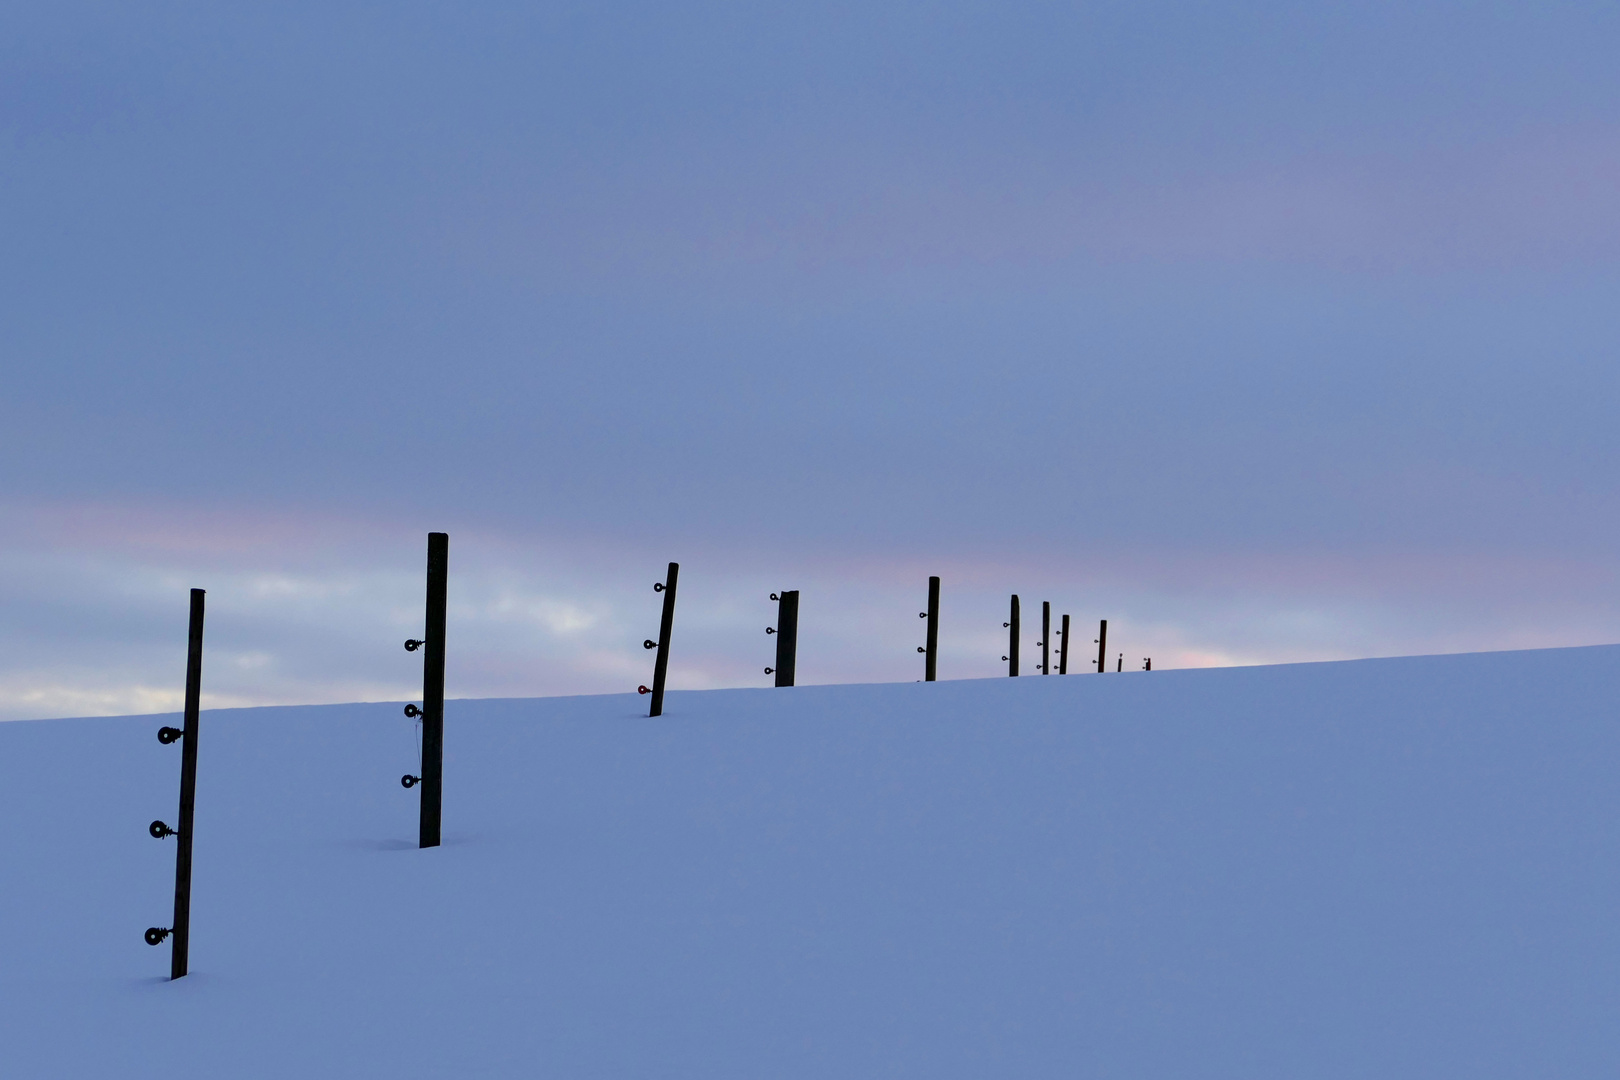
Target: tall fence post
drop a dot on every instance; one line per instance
(932, 615)
(1012, 638)
(180, 954)
(1102, 647)
(1063, 648)
(438, 579)
(1046, 637)
(666, 626)
(787, 636)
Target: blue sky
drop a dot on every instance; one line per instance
(1267, 331)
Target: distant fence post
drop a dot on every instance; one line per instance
(438, 578)
(1102, 647)
(1063, 648)
(1046, 637)
(1147, 663)
(1012, 638)
(180, 954)
(787, 636)
(666, 626)
(931, 651)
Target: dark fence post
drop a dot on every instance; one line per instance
(1121, 666)
(932, 615)
(1063, 648)
(1147, 664)
(787, 636)
(180, 954)
(666, 626)
(1012, 638)
(1102, 647)
(438, 577)
(180, 958)
(1046, 637)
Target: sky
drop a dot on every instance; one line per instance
(1266, 331)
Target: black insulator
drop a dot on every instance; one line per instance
(1004, 626)
(658, 586)
(770, 629)
(412, 645)
(167, 735)
(649, 644)
(1004, 658)
(770, 671)
(921, 649)
(412, 711)
(922, 614)
(642, 690)
(775, 597)
(156, 934)
(159, 830)
(408, 781)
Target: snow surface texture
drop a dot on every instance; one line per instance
(1383, 868)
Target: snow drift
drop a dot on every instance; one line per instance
(1393, 868)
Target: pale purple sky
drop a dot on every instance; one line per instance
(1267, 331)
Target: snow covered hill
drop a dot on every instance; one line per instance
(1384, 868)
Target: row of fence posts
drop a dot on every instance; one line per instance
(1101, 641)
(430, 714)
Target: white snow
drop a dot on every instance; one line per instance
(1384, 868)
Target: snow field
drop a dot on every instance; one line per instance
(1392, 868)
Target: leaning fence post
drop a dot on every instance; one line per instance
(1102, 647)
(179, 955)
(932, 615)
(787, 636)
(1012, 638)
(1046, 637)
(666, 626)
(1063, 648)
